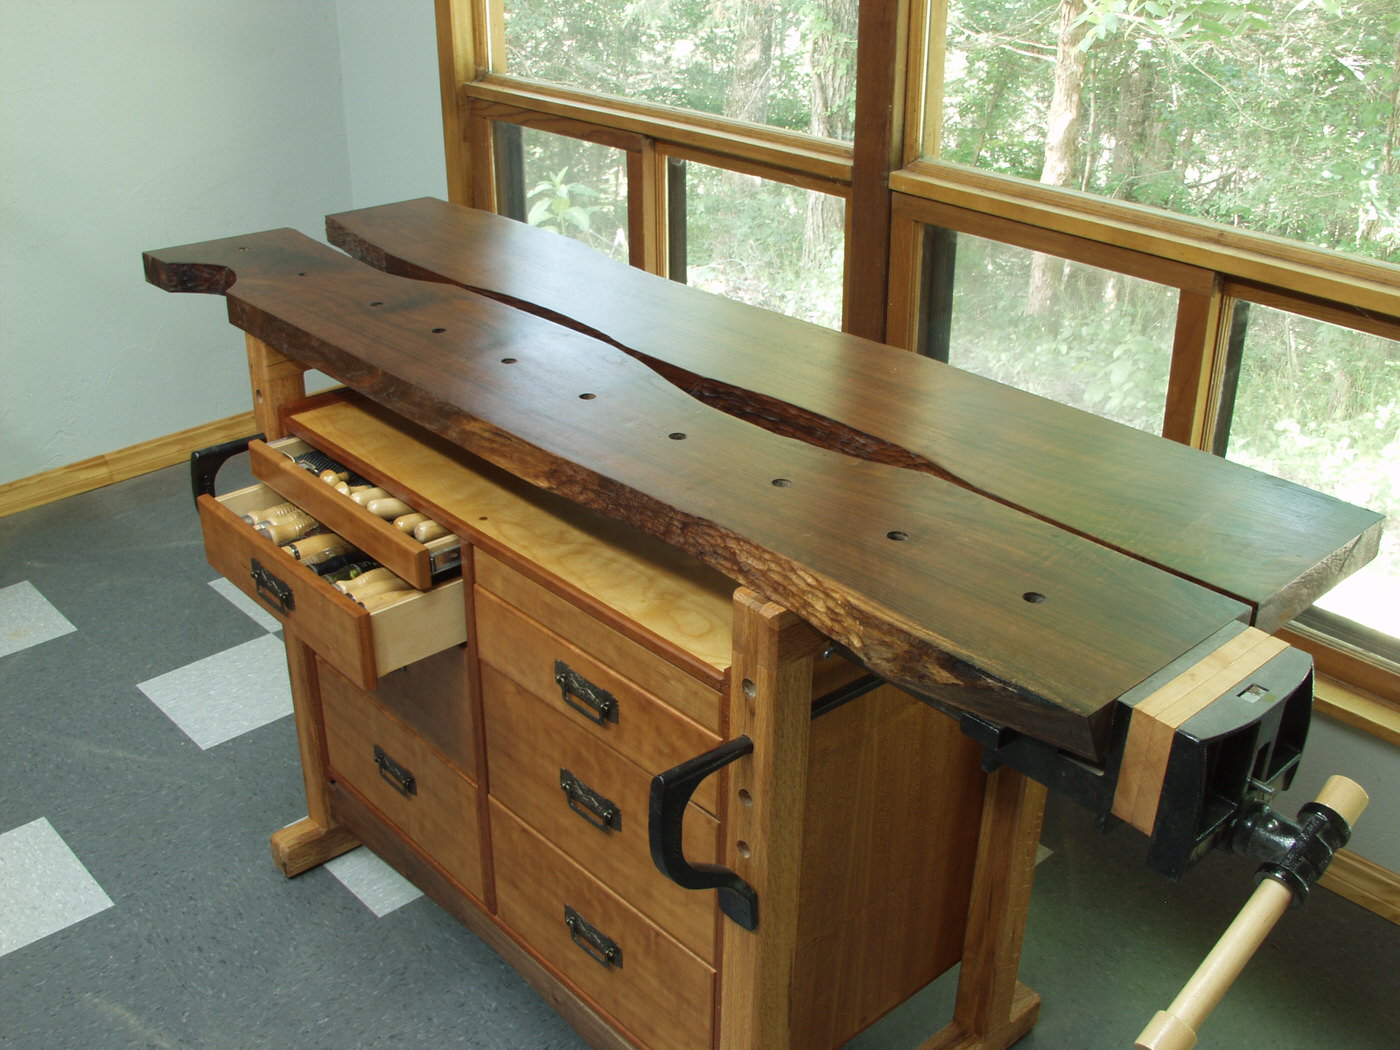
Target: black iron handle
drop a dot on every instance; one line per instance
(602, 813)
(670, 794)
(597, 705)
(399, 778)
(205, 463)
(270, 588)
(602, 948)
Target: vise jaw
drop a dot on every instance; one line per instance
(1195, 753)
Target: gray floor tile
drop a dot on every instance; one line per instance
(28, 618)
(227, 694)
(379, 887)
(245, 605)
(44, 887)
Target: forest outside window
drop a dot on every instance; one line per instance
(1316, 404)
(773, 62)
(1276, 116)
(1126, 155)
(565, 185)
(1075, 333)
(759, 241)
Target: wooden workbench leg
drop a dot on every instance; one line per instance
(993, 1009)
(316, 838)
(276, 380)
(771, 698)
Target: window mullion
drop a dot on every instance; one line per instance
(646, 208)
(1202, 330)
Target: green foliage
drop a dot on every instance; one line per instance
(556, 204)
(1274, 115)
(1102, 343)
(685, 53)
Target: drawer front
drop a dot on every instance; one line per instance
(394, 770)
(360, 644)
(636, 724)
(652, 986)
(431, 698)
(380, 539)
(692, 698)
(592, 803)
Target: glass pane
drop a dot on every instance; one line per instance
(1274, 115)
(1320, 405)
(765, 243)
(564, 185)
(1084, 336)
(777, 62)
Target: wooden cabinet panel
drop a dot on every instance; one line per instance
(396, 772)
(696, 701)
(431, 698)
(360, 644)
(534, 750)
(656, 989)
(887, 860)
(647, 731)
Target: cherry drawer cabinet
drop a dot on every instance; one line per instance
(496, 736)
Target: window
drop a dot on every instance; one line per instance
(1271, 115)
(1187, 194)
(763, 243)
(565, 185)
(1075, 333)
(783, 64)
(1320, 405)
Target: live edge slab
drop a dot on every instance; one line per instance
(974, 544)
(981, 548)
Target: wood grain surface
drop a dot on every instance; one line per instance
(1266, 542)
(938, 588)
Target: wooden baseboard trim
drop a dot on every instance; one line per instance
(1364, 882)
(124, 463)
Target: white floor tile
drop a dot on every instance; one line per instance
(379, 887)
(28, 618)
(245, 604)
(44, 887)
(227, 694)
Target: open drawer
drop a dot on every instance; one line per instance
(393, 548)
(361, 644)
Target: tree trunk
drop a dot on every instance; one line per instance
(1061, 139)
(1390, 160)
(832, 53)
(752, 82)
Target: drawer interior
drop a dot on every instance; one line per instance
(392, 547)
(362, 644)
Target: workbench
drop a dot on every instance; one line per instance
(733, 604)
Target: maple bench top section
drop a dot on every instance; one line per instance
(937, 587)
(1268, 543)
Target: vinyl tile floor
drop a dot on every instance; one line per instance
(148, 752)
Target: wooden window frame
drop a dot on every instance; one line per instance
(894, 185)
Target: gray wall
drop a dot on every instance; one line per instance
(135, 124)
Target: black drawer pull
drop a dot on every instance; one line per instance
(670, 794)
(598, 945)
(602, 813)
(270, 589)
(597, 705)
(400, 779)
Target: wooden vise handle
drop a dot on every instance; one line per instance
(1175, 1027)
